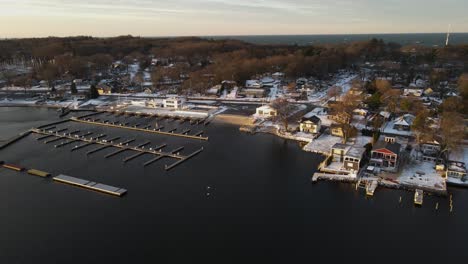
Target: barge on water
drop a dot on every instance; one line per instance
(90, 185)
(38, 173)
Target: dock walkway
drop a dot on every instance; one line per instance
(90, 185)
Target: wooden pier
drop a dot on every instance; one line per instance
(199, 137)
(90, 185)
(182, 160)
(370, 187)
(15, 139)
(123, 146)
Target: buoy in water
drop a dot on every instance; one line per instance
(400, 199)
(437, 206)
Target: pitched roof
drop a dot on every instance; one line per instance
(381, 146)
(313, 119)
(405, 120)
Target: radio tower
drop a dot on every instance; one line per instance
(448, 36)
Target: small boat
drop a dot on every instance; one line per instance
(418, 197)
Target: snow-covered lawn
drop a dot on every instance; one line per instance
(422, 174)
(6, 101)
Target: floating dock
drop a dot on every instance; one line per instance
(13, 167)
(90, 185)
(38, 173)
(418, 197)
(15, 139)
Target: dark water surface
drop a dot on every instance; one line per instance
(262, 206)
(427, 39)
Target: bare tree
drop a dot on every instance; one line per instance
(283, 109)
(451, 131)
(334, 91)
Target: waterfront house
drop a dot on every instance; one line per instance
(430, 150)
(344, 158)
(353, 158)
(385, 155)
(173, 102)
(456, 170)
(310, 124)
(338, 152)
(266, 111)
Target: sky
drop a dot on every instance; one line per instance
(105, 18)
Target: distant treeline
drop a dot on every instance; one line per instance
(223, 59)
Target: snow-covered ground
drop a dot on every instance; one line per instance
(6, 102)
(422, 174)
(133, 69)
(343, 80)
(273, 92)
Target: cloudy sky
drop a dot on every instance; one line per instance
(36, 18)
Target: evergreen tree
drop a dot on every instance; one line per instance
(73, 88)
(93, 92)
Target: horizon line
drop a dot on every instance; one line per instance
(232, 35)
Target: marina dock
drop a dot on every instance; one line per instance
(15, 139)
(123, 146)
(199, 137)
(90, 185)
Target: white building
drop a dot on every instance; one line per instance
(253, 84)
(173, 102)
(266, 111)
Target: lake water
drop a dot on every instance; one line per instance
(262, 206)
(428, 39)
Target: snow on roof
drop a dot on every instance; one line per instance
(405, 120)
(253, 83)
(385, 114)
(355, 152)
(265, 107)
(313, 119)
(322, 144)
(267, 80)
